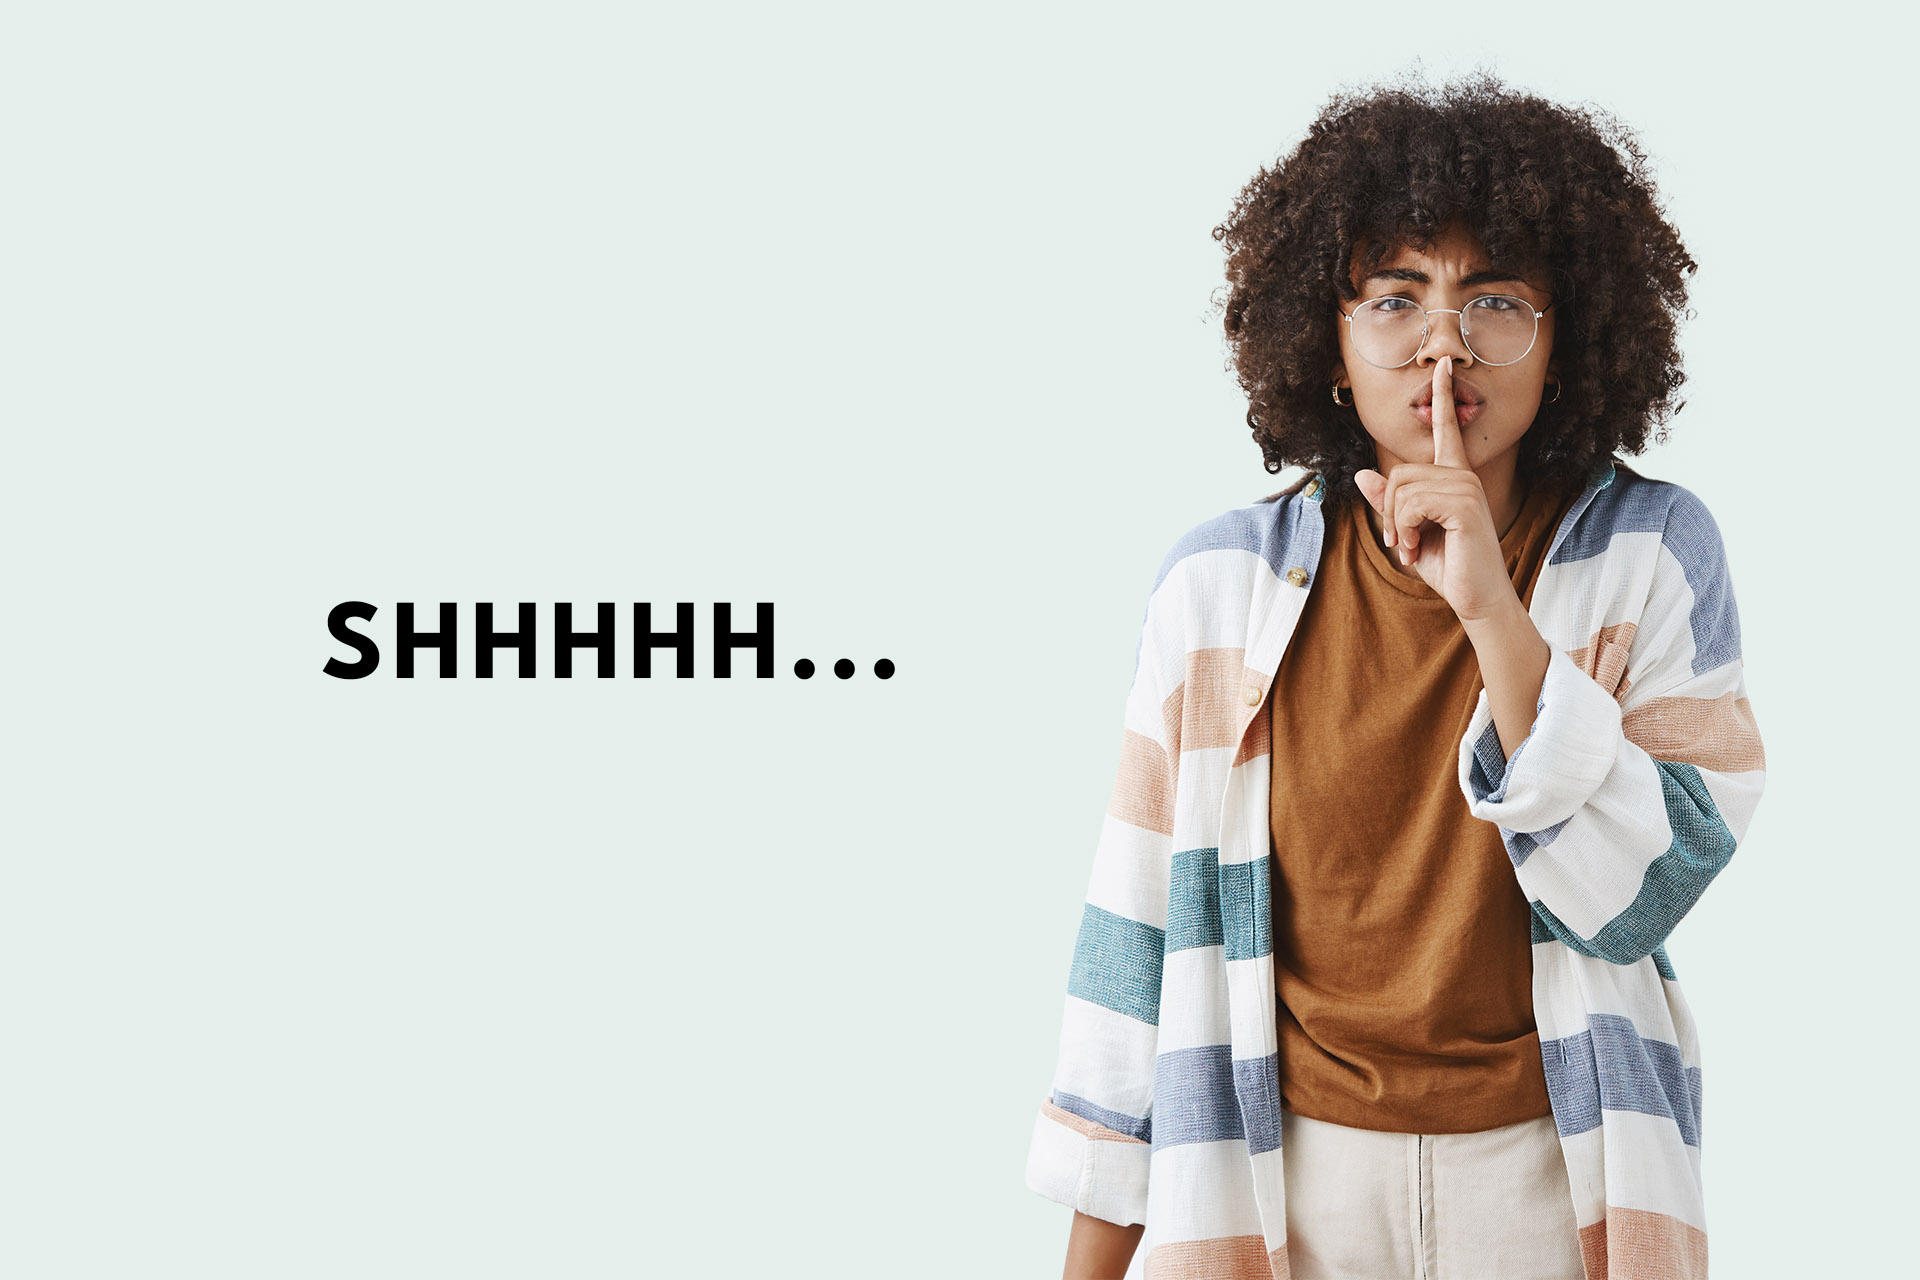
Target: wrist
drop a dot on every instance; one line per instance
(1507, 617)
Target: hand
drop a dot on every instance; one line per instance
(1436, 517)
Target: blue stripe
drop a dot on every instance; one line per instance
(1285, 533)
(1573, 1083)
(1688, 531)
(1193, 1096)
(1489, 774)
(1117, 964)
(1193, 901)
(1522, 845)
(1611, 1067)
(1246, 904)
(1118, 1121)
(1205, 1094)
(1639, 506)
(1694, 539)
(1257, 1082)
(1488, 765)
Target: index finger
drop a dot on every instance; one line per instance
(1449, 450)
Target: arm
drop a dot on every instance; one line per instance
(1617, 812)
(1099, 1250)
(1091, 1140)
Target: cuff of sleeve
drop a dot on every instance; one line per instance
(1088, 1167)
(1567, 754)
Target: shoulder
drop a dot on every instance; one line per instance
(1265, 531)
(1634, 513)
(1672, 558)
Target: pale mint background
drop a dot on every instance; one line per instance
(897, 317)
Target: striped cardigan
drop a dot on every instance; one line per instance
(1638, 778)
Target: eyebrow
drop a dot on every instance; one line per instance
(1486, 275)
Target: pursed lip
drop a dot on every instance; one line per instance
(1463, 391)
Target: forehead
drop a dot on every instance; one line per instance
(1455, 254)
(1454, 246)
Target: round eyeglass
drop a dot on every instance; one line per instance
(1498, 329)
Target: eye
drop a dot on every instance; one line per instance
(1392, 305)
(1498, 302)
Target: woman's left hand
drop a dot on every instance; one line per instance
(1437, 513)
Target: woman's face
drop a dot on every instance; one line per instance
(1450, 274)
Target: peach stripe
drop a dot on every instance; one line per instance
(1258, 738)
(1638, 1244)
(1213, 699)
(1225, 1258)
(1708, 733)
(1084, 1127)
(1143, 787)
(1604, 657)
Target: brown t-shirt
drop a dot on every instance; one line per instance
(1400, 936)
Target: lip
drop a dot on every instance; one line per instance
(1463, 413)
(1464, 392)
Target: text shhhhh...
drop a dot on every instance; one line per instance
(407, 640)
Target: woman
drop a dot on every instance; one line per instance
(1425, 755)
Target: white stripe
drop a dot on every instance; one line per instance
(1585, 1164)
(1203, 1191)
(1723, 679)
(1131, 870)
(1194, 1011)
(1175, 626)
(1593, 869)
(1574, 599)
(1649, 1167)
(1196, 810)
(1056, 1159)
(1736, 796)
(1106, 1057)
(1253, 999)
(1568, 987)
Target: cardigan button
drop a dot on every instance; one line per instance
(1297, 576)
(1253, 695)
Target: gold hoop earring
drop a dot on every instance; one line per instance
(1556, 393)
(1336, 398)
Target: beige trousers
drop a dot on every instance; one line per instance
(1369, 1205)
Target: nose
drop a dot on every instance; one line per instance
(1443, 339)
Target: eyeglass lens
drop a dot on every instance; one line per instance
(1498, 330)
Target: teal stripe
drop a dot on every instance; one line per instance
(1664, 965)
(1117, 963)
(1247, 908)
(1193, 901)
(1545, 927)
(1702, 845)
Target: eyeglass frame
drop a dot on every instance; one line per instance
(1426, 328)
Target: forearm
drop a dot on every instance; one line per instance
(1513, 658)
(1100, 1250)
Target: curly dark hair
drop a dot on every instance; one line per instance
(1545, 187)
